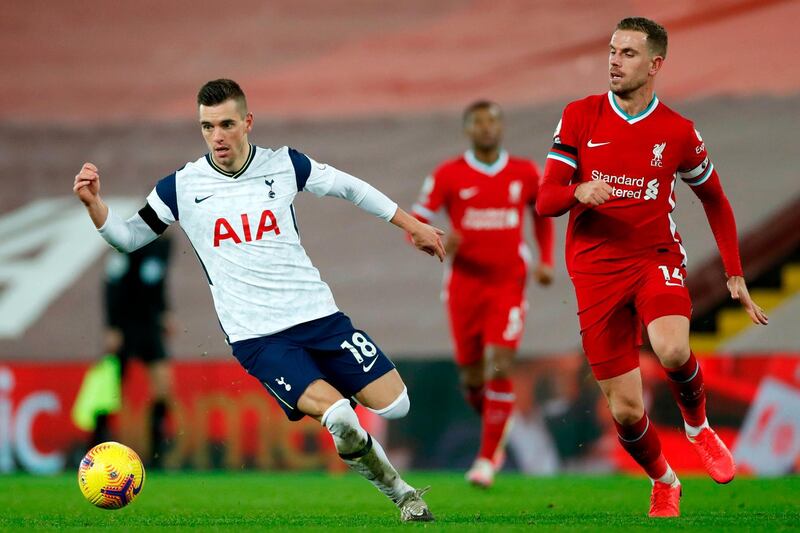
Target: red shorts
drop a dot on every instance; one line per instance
(613, 307)
(484, 311)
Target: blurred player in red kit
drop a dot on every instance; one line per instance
(613, 166)
(485, 193)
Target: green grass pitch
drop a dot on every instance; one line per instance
(318, 502)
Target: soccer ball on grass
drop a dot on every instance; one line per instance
(111, 475)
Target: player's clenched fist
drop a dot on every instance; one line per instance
(87, 184)
(593, 193)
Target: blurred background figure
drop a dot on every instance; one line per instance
(137, 322)
(485, 193)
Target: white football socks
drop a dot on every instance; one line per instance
(669, 477)
(692, 431)
(363, 454)
(376, 468)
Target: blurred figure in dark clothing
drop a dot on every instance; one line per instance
(137, 321)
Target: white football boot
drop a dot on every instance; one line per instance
(413, 508)
(482, 473)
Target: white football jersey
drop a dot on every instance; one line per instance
(244, 231)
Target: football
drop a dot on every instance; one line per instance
(111, 475)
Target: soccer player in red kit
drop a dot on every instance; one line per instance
(485, 193)
(613, 166)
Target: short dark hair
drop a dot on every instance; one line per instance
(480, 104)
(218, 91)
(656, 34)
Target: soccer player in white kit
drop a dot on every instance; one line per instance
(235, 205)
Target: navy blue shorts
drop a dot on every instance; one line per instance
(328, 348)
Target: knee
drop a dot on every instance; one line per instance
(340, 417)
(500, 362)
(626, 409)
(500, 368)
(397, 409)
(161, 390)
(672, 354)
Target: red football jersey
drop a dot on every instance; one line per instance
(640, 157)
(486, 205)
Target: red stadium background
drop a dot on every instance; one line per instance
(221, 417)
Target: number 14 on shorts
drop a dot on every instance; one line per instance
(361, 348)
(672, 280)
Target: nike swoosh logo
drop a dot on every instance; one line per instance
(322, 167)
(197, 199)
(466, 194)
(367, 368)
(590, 144)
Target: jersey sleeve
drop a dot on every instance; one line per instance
(698, 172)
(556, 194)
(432, 197)
(695, 167)
(161, 208)
(362, 194)
(325, 180)
(565, 140)
(316, 178)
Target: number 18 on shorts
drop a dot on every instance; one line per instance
(329, 348)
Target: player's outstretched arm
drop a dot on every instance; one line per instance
(738, 288)
(424, 237)
(87, 188)
(343, 185)
(723, 225)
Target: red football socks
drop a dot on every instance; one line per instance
(686, 383)
(474, 397)
(498, 402)
(641, 441)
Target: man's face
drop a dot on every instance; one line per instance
(484, 127)
(225, 128)
(630, 64)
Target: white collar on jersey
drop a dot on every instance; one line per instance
(633, 119)
(490, 170)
